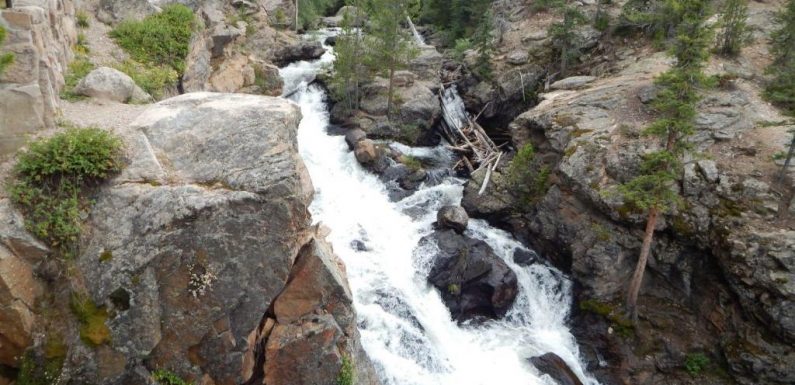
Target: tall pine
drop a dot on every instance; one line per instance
(781, 88)
(390, 46)
(654, 189)
(349, 70)
(733, 31)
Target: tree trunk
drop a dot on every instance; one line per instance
(564, 54)
(389, 97)
(640, 268)
(789, 159)
(296, 15)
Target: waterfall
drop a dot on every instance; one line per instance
(405, 327)
(417, 37)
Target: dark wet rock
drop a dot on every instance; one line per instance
(555, 367)
(524, 257)
(301, 50)
(413, 180)
(354, 136)
(359, 245)
(452, 217)
(474, 282)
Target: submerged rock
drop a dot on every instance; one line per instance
(554, 366)
(473, 280)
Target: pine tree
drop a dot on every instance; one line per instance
(483, 40)
(390, 47)
(653, 190)
(781, 89)
(564, 35)
(5, 58)
(734, 32)
(349, 71)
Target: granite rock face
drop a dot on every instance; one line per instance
(723, 254)
(187, 249)
(40, 34)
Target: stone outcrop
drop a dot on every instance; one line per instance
(215, 62)
(720, 262)
(200, 253)
(473, 281)
(111, 84)
(40, 34)
(114, 11)
(19, 287)
(300, 50)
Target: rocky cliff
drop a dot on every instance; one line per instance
(199, 256)
(722, 264)
(40, 35)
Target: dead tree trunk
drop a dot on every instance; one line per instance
(640, 268)
(789, 159)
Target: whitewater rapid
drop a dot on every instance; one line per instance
(405, 327)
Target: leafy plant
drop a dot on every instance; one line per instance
(529, 177)
(6, 59)
(165, 377)
(37, 369)
(159, 39)
(82, 19)
(154, 79)
(93, 330)
(81, 46)
(461, 46)
(346, 375)
(51, 176)
(564, 35)
(695, 363)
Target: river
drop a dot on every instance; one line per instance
(406, 329)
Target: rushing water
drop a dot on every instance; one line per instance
(405, 327)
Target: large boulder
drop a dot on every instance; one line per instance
(452, 217)
(474, 282)
(315, 326)
(301, 50)
(111, 84)
(190, 246)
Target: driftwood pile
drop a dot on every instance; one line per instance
(467, 137)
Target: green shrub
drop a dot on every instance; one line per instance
(93, 330)
(346, 376)
(151, 78)
(529, 177)
(81, 47)
(51, 176)
(82, 19)
(411, 162)
(5, 58)
(461, 46)
(695, 363)
(159, 39)
(165, 377)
